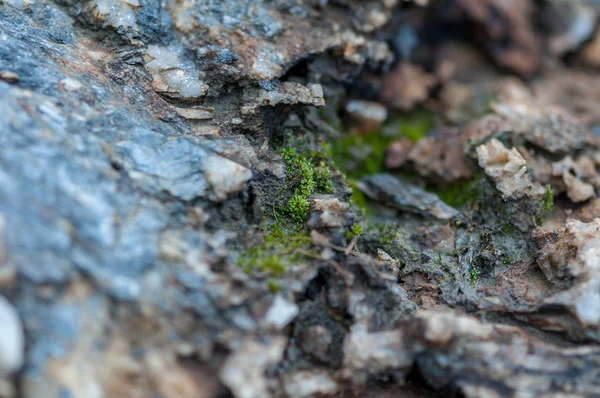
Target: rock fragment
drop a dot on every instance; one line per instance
(305, 384)
(12, 340)
(441, 158)
(327, 211)
(368, 116)
(393, 192)
(244, 371)
(224, 176)
(172, 74)
(508, 169)
(572, 253)
(397, 153)
(406, 86)
(503, 28)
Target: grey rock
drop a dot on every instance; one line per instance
(12, 340)
(398, 194)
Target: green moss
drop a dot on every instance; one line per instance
(297, 208)
(274, 287)
(322, 176)
(416, 124)
(356, 230)
(363, 154)
(280, 249)
(305, 175)
(474, 273)
(547, 202)
(506, 260)
(461, 193)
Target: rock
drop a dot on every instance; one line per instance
(243, 372)
(441, 159)
(572, 252)
(141, 188)
(508, 170)
(280, 314)
(172, 74)
(9, 77)
(588, 212)
(504, 29)
(406, 86)
(304, 384)
(12, 340)
(369, 116)
(577, 190)
(393, 192)
(287, 93)
(370, 353)
(315, 341)
(225, 177)
(574, 174)
(570, 23)
(328, 211)
(546, 126)
(195, 113)
(397, 153)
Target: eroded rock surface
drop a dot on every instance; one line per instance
(176, 219)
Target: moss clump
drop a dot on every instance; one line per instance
(254, 259)
(305, 175)
(461, 193)
(274, 287)
(279, 250)
(356, 230)
(474, 273)
(297, 208)
(547, 202)
(322, 176)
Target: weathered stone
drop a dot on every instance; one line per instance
(12, 340)
(508, 169)
(406, 197)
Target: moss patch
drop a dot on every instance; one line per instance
(305, 175)
(279, 250)
(362, 154)
(460, 194)
(356, 230)
(547, 202)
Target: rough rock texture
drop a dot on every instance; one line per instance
(176, 219)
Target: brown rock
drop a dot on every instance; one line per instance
(368, 116)
(315, 341)
(406, 86)
(397, 152)
(505, 28)
(441, 158)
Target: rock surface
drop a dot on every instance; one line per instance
(176, 219)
